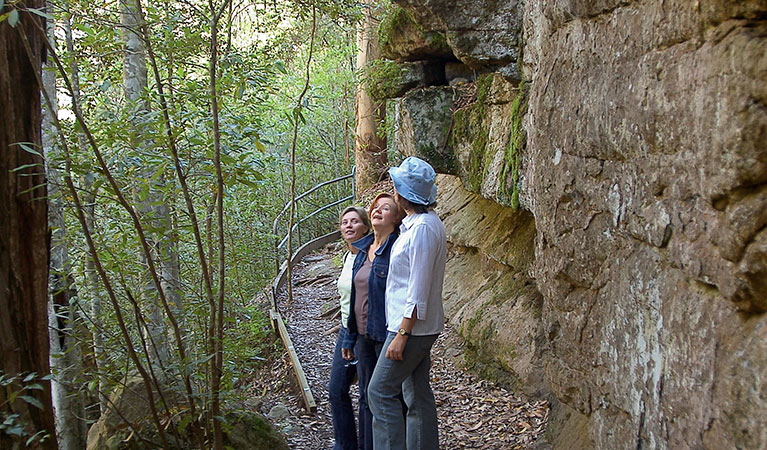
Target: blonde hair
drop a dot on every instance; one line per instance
(364, 217)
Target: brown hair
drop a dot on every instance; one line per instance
(400, 212)
(415, 207)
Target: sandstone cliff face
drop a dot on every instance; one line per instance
(645, 171)
(642, 165)
(490, 296)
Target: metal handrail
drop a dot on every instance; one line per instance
(276, 318)
(280, 242)
(312, 214)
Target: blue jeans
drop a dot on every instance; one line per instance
(341, 378)
(411, 378)
(367, 351)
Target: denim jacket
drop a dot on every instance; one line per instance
(376, 326)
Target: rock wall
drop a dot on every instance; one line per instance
(489, 294)
(646, 172)
(629, 138)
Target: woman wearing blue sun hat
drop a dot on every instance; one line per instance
(414, 316)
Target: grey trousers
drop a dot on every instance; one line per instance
(411, 377)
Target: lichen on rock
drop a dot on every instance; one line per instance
(423, 125)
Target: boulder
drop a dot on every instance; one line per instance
(279, 412)
(388, 79)
(456, 72)
(423, 119)
(484, 35)
(129, 410)
(250, 431)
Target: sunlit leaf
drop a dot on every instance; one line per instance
(39, 13)
(13, 18)
(29, 148)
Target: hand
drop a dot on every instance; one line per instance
(347, 354)
(396, 348)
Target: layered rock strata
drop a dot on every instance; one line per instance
(489, 295)
(635, 142)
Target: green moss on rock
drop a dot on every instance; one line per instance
(509, 187)
(472, 128)
(246, 430)
(382, 79)
(401, 37)
(469, 127)
(487, 360)
(395, 20)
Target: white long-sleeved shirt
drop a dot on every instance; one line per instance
(345, 287)
(416, 273)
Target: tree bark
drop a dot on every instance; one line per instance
(369, 147)
(64, 325)
(89, 200)
(23, 230)
(152, 208)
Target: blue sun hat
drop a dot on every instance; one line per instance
(414, 180)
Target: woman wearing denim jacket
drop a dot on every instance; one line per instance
(367, 313)
(354, 224)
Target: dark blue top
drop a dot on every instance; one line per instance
(376, 326)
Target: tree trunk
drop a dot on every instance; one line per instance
(89, 200)
(152, 208)
(23, 232)
(369, 147)
(66, 360)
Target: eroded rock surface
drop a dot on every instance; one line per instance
(423, 125)
(489, 294)
(646, 172)
(484, 35)
(642, 159)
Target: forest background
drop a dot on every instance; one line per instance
(173, 133)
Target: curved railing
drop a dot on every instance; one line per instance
(312, 244)
(280, 241)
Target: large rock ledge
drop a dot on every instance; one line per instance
(489, 295)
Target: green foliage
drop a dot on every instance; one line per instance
(21, 388)
(263, 53)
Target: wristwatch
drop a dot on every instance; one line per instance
(403, 332)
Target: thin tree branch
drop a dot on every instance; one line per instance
(296, 115)
(89, 239)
